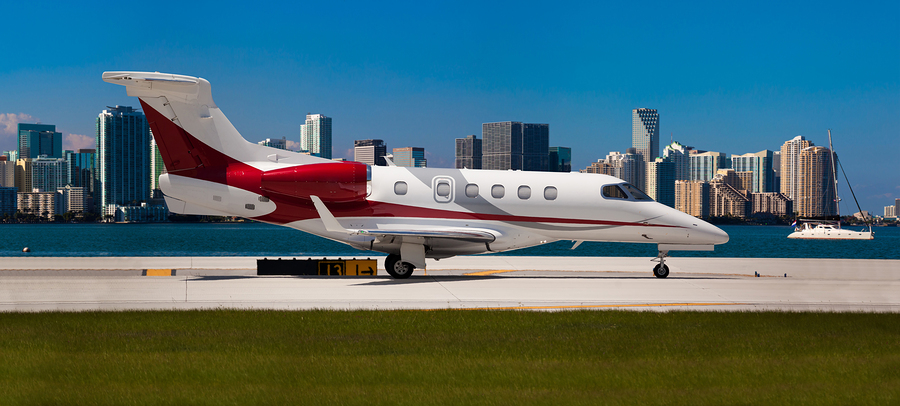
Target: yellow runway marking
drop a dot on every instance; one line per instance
(485, 273)
(159, 272)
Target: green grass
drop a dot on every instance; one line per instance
(448, 357)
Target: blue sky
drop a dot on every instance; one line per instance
(726, 77)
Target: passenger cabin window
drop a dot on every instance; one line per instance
(443, 189)
(550, 193)
(401, 188)
(497, 191)
(635, 192)
(472, 190)
(524, 192)
(614, 192)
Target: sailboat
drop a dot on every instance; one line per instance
(830, 228)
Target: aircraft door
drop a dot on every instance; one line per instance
(443, 189)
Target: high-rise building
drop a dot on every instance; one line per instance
(623, 166)
(890, 212)
(7, 173)
(661, 181)
(9, 201)
(413, 157)
(790, 166)
(48, 174)
(80, 171)
(680, 156)
(645, 139)
(760, 164)
(692, 197)
(773, 203)
(468, 152)
(515, 145)
(315, 135)
(39, 139)
(560, 159)
(70, 199)
(726, 200)
(776, 170)
(11, 155)
(815, 189)
(123, 158)
(274, 143)
(370, 152)
(704, 164)
(41, 204)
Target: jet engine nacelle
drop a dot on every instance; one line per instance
(332, 182)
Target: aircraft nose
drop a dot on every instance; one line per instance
(711, 233)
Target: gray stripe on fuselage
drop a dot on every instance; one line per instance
(476, 205)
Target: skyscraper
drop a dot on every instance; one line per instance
(560, 159)
(661, 181)
(815, 189)
(315, 135)
(7, 173)
(645, 137)
(692, 197)
(760, 164)
(515, 145)
(370, 152)
(123, 158)
(679, 155)
(413, 157)
(80, 171)
(790, 167)
(623, 166)
(157, 168)
(468, 152)
(39, 139)
(48, 174)
(703, 165)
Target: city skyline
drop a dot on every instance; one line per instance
(751, 84)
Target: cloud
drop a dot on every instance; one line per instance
(293, 145)
(77, 141)
(8, 122)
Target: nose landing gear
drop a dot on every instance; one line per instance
(661, 270)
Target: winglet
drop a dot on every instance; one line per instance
(331, 223)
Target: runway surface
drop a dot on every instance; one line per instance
(495, 282)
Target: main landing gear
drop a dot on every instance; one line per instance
(397, 268)
(661, 270)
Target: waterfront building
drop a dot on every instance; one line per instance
(47, 174)
(776, 171)
(80, 172)
(774, 203)
(815, 192)
(725, 199)
(41, 204)
(704, 164)
(315, 135)
(679, 155)
(790, 166)
(142, 213)
(7, 173)
(760, 164)
(157, 168)
(623, 166)
(70, 199)
(890, 212)
(744, 180)
(122, 175)
(370, 152)
(412, 157)
(274, 143)
(468, 152)
(39, 139)
(692, 197)
(515, 145)
(661, 181)
(560, 159)
(9, 201)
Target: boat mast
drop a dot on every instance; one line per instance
(837, 199)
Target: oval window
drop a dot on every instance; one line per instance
(524, 192)
(550, 193)
(401, 188)
(497, 191)
(472, 190)
(443, 189)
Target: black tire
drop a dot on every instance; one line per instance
(660, 271)
(396, 268)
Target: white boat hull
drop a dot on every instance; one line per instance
(831, 234)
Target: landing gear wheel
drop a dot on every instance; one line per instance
(397, 268)
(661, 271)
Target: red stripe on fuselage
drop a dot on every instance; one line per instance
(217, 167)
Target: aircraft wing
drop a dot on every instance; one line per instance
(457, 233)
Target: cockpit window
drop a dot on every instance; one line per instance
(638, 195)
(613, 192)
